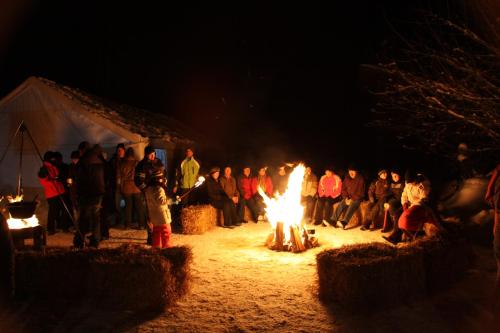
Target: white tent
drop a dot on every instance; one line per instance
(59, 118)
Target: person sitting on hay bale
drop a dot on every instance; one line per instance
(392, 206)
(159, 217)
(263, 181)
(377, 193)
(245, 190)
(416, 213)
(219, 199)
(308, 193)
(228, 184)
(353, 191)
(329, 190)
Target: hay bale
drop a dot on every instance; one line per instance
(129, 278)
(445, 260)
(198, 219)
(365, 277)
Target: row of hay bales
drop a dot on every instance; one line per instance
(370, 277)
(130, 277)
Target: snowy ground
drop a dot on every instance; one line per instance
(241, 286)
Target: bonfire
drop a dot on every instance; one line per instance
(284, 213)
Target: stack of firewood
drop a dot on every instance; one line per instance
(300, 239)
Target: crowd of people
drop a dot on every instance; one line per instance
(91, 192)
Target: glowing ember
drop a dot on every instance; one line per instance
(286, 210)
(22, 223)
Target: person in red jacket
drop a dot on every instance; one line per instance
(244, 183)
(263, 181)
(48, 177)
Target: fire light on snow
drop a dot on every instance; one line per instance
(286, 208)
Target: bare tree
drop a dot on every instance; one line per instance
(439, 88)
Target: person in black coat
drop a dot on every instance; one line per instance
(219, 199)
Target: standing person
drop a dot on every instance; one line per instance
(71, 181)
(393, 208)
(48, 176)
(329, 190)
(187, 175)
(148, 166)
(353, 191)
(158, 212)
(263, 181)
(91, 187)
(245, 190)
(493, 198)
(219, 199)
(228, 184)
(113, 187)
(378, 192)
(131, 193)
(308, 193)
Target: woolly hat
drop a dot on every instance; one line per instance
(214, 170)
(381, 172)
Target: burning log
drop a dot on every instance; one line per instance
(297, 245)
(280, 237)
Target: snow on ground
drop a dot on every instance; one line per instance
(239, 285)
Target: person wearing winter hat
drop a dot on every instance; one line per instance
(392, 206)
(245, 190)
(378, 192)
(143, 173)
(159, 217)
(219, 199)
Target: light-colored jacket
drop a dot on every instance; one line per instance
(415, 193)
(309, 185)
(189, 172)
(157, 203)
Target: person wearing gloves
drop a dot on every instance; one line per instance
(159, 217)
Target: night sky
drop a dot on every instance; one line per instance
(235, 72)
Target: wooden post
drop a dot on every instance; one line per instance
(280, 237)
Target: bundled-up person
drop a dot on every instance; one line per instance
(219, 199)
(113, 193)
(353, 191)
(143, 172)
(378, 192)
(186, 177)
(246, 193)
(415, 211)
(280, 180)
(131, 193)
(48, 176)
(71, 184)
(329, 190)
(159, 217)
(263, 181)
(392, 206)
(228, 184)
(91, 187)
(308, 193)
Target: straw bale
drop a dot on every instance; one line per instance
(445, 260)
(198, 219)
(131, 277)
(366, 277)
